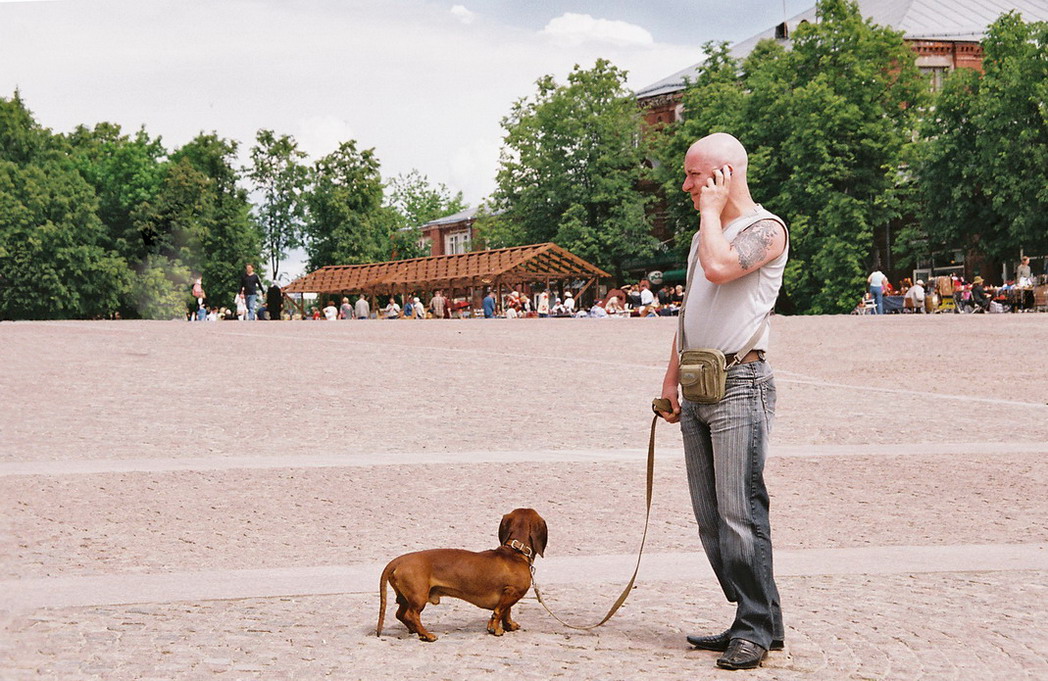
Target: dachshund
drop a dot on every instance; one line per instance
(494, 580)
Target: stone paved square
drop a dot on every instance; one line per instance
(186, 501)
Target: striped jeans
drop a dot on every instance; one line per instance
(725, 446)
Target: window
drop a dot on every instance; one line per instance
(456, 242)
(935, 76)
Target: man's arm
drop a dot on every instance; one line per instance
(758, 244)
(670, 383)
(754, 247)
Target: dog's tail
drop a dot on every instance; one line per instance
(382, 597)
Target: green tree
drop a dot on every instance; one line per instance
(955, 208)
(848, 121)
(572, 160)
(1013, 110)
(345, 223)
(230, 238)
(280, 178)
(828, 125)
(52, 265)
(159, 288)
(712, 102)
(22, 139)
(126, 173)
(983, 168)
(416, 201)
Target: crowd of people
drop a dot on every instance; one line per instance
(951, 293)
(628, 301)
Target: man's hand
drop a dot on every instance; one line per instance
(713, 196)
(670, 394)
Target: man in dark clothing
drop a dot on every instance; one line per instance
(274, 301)
(979, 296)
(250, 285)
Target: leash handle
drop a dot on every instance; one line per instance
(656, 406)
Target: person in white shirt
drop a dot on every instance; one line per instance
(876, 280)
(569, 303)
(915, 294)
(543, 306)
(647, 298)
(736, 264)
(331, 312)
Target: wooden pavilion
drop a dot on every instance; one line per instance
(461, 274)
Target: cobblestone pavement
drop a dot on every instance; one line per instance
(186, 501)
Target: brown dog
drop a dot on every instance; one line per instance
(494, 580)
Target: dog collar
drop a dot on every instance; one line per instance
(521, 548)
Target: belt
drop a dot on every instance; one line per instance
(752, 356)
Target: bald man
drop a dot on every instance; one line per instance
(735, 270)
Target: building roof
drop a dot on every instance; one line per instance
(460, 216)
(520, 264)
(952, 20)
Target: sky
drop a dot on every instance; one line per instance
(425, 83)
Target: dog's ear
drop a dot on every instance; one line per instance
(537, 539)
(504, 529)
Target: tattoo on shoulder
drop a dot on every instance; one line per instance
(753, 243)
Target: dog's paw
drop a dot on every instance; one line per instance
(427, 637)
(510, 625)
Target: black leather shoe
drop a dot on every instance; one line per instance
(719, 642)
(742, 654)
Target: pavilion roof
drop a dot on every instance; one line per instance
(519, 264)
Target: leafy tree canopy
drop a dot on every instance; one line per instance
(827, 125)
(346, 223)
(570, 168)
(414, 201)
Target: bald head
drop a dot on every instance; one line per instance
(715, 159)
(719, 149)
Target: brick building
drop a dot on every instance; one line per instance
(451, 235)
(944, 34)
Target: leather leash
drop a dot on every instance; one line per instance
(657, 405)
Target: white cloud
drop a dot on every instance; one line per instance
(576, 29)
(320, 135)
(472, 169)
(463, 14)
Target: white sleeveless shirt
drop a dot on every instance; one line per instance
(725, 316)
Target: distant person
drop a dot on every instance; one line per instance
(613, 306)
(392, 308)
(877, 282)
(345, 311)
(198, 293)
(916, 294)
(489, 305)
(438, 305)
(979, 296)
(647, 298)
(250, 285)
(241, 306)
(274, 301)
(1023, 273)
(598, 311)
(417, 308)
(543, 306)
(330, 311)
(569, 303)
(362, 308)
